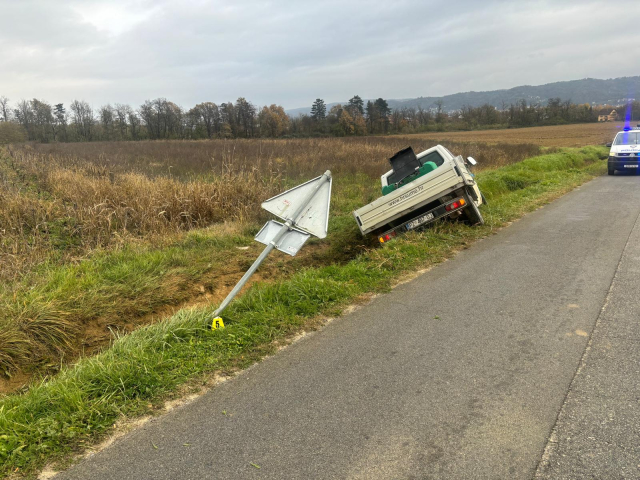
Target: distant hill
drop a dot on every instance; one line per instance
(613, 91)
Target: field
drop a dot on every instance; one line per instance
(554, 136)
(101, 239)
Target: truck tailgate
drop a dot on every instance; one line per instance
(408, 198)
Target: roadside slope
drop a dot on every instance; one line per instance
(457, 374)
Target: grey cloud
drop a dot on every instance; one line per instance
(291, 52)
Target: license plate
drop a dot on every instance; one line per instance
(631, 166)
(419, 221)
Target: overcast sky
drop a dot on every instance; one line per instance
(291, 52)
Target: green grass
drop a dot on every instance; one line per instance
(45, 310)
(80, 405)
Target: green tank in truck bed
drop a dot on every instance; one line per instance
(423, 170)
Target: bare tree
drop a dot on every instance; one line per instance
(163, 119)
(193, 123)
(440, 114)
(122, 113)
(134, 123)
(229, 120)
(107, 119)
(150, 118)
(175, 120)
(24, 115)
(43, 120)
(210, 116)
(83, 119)
(246, 114)
(4, 108)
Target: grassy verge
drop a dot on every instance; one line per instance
(44, 315)
(80, 405)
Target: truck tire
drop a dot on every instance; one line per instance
(611, 171)
(472, 213)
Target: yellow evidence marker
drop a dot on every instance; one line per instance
(217, 323)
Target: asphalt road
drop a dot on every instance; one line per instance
(518, 358)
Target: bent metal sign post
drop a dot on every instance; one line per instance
(305, 212)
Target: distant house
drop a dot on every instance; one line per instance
(612, 117)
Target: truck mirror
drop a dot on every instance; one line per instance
(472, 161)
(608, 144)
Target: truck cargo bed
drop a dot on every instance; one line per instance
(408, 198)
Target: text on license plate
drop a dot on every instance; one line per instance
(419, 221)
(631, 166)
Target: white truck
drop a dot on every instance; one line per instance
(420, 189)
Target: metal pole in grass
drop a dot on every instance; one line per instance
(305, 211)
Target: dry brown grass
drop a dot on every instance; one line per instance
(291, 158)
(554, 136)
(47, 205)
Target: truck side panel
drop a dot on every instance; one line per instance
(408, 198)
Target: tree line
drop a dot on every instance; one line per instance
(163, 119)
(154, 119)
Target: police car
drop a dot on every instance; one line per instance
(625, 151)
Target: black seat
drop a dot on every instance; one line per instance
(404, 163)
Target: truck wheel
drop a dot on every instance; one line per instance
(611, 171)
(472, 213)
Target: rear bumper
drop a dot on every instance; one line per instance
(426, 218)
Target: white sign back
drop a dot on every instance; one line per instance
(314, 219)
(290, 243)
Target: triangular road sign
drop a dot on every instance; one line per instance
(314, 219)
(305, 210)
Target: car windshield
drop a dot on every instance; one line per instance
(627, 138)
